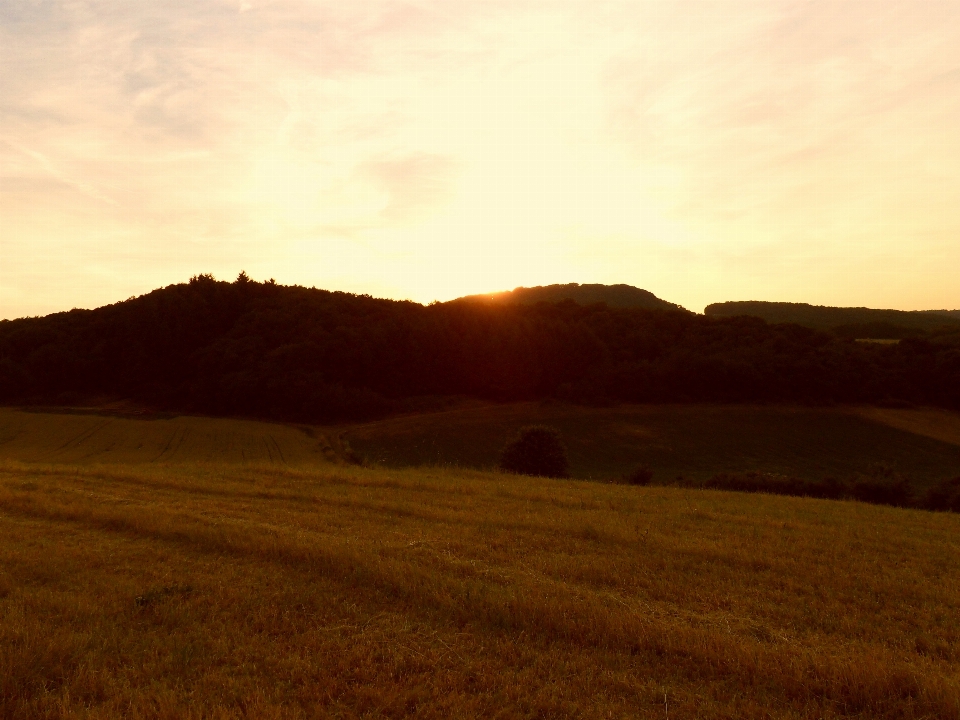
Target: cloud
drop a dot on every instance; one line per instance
(695, 147)
(414, 185)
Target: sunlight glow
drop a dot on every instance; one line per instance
(703, 151)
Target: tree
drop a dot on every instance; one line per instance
(640, 475)
(537, 450)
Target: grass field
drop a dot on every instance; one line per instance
(173, 586)
(87, 436)
(692, 441)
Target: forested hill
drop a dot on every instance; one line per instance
(848, 322)
(615, 296)
(265, 350)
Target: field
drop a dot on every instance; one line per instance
(89, 437)
(183, 584)
(689, 441)
(692, 441)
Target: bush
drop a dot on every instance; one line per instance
(882, 486)
(757, 482)
(537, 450)
(640, 475)
(827, 489)
(877, 492)
(944, 496)
(773, 484)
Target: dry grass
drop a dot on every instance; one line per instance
(89, 437)
(227, 591)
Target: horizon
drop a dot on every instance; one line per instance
(474, 295)
(705, 152)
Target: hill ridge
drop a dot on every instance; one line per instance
(897, 323)
(619, 295)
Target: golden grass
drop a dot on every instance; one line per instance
(88, 437)
(186, 591)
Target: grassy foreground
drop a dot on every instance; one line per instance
(188, 591)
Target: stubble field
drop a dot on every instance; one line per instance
(224, 589)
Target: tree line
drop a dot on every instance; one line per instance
(301, 354)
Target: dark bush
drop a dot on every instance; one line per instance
(828, 489)
(758, 482)
(640, 475)
(537, 450)
(945, 496)
(773, 484)
(898, 493)
(881, 486)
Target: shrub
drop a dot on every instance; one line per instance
(773, 484)
(640, 475)
(537, 450)
(944, 496)
(877, 492)
(884, 486)
(756, 482)
(828, 489)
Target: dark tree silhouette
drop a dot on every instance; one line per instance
(247, 348)
(944, 496)
(537, 450)
(640, 475)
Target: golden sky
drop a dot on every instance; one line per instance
(705, 151)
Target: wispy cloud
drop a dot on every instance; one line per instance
(57, 174)
(706, 150)
(414, 184)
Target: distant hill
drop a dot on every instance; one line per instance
(848, 322)
(306, 355)
(615, 296)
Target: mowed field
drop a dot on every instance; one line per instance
(195, 587)
(690, 441)
(97, 437)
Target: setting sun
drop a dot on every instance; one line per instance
(704, 151)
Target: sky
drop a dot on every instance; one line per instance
(703, 150)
